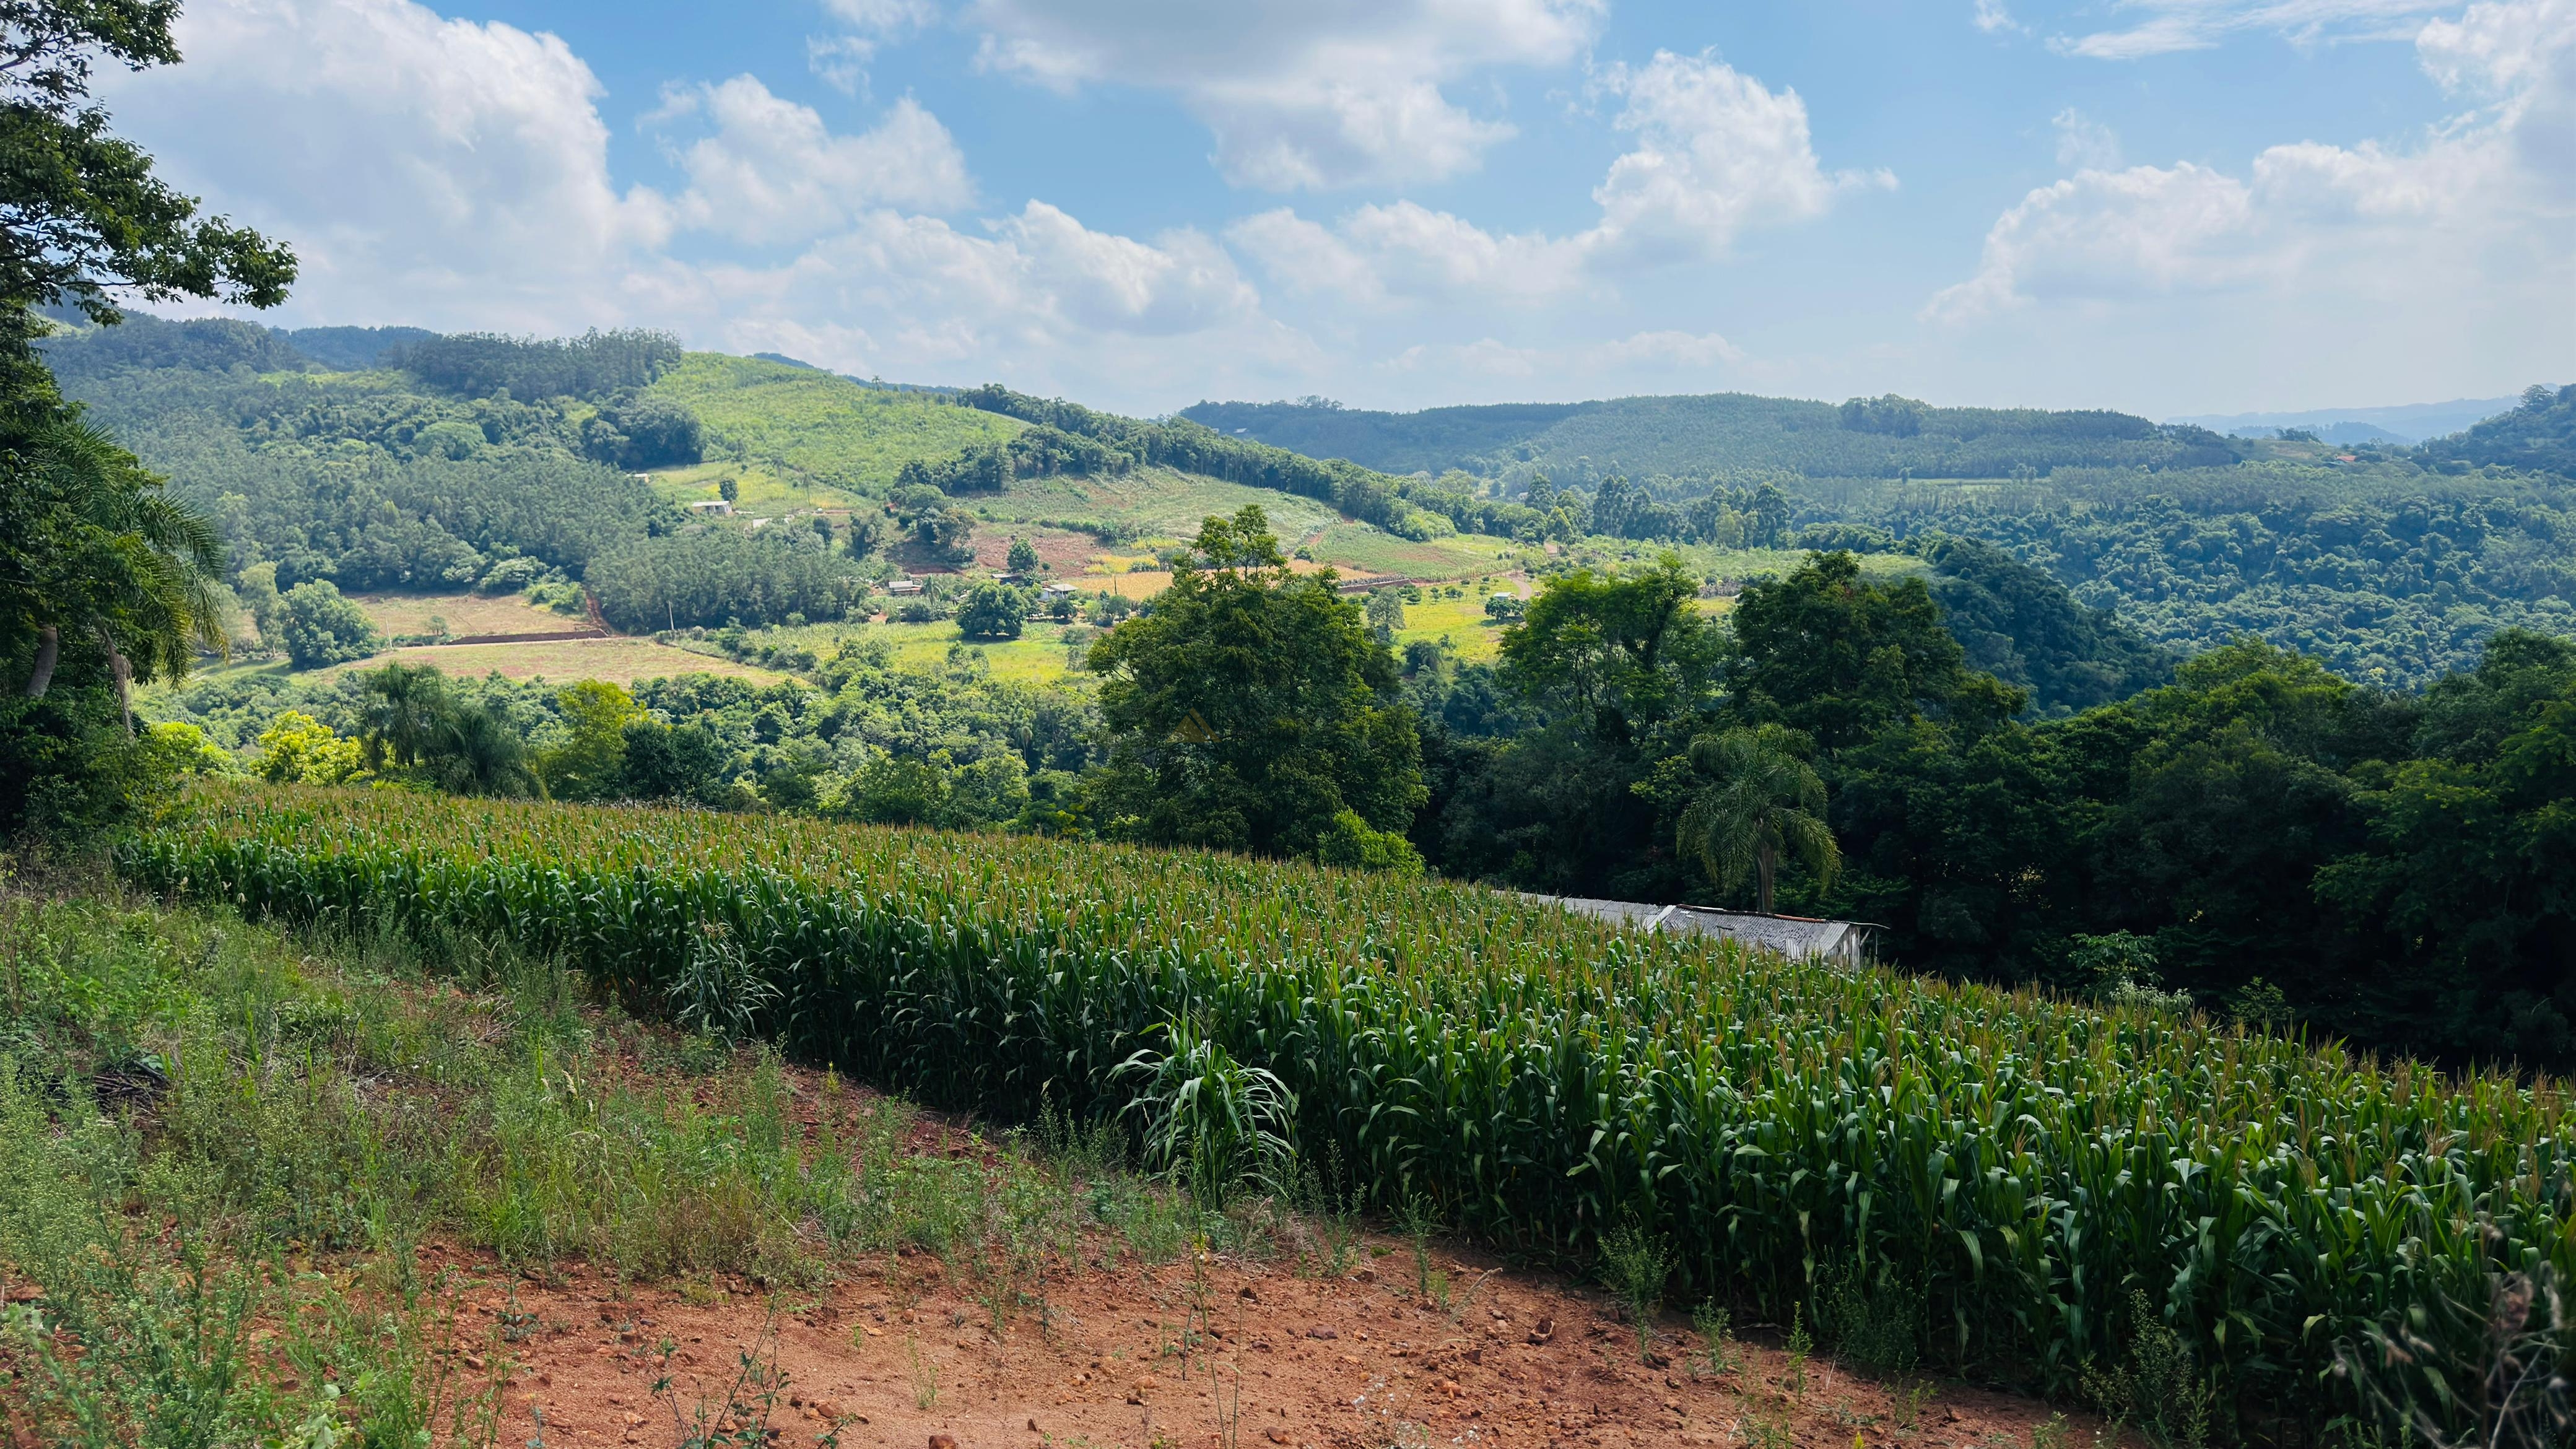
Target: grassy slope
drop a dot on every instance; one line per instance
(817, 428)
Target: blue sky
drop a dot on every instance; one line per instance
(2165, 206)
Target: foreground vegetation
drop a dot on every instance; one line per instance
(229, 1153)
(2000, 1173)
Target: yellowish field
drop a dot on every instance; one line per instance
(464, 613)
(1459, 624)
(618, 661)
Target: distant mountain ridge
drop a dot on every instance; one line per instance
(1887, 437)
(2406, 423)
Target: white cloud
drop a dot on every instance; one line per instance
(2084, 143)
(1992, 18)
(2178, 25)
(2488, 194)
(772, 172)
(1299, 93)
(416, 162)
(1716, 154)
(455, 175)
(842, 60)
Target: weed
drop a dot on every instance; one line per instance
(925, 1374)
(738, 1418)
(1875, 1320)
(2052, 1435)
(1758, 1432)
(2159, 1390)
(1800, 1347)
(1420, 1220)
(1333, 1217)
(1635, 1262)
(1717, 1356)
(1909, 1404)
(1211, 1122)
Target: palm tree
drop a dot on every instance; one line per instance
(482, 755)
(406, 714)
(1761, 802)
(106, 552)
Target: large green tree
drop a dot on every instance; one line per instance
(1251, 706)
(103, 580)
(81, 213)
(1840, 657)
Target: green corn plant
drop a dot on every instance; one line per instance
(2017, 1161)
(1209, 1120)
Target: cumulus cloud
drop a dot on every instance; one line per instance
(1299, 94)
(2358, 223)
(455, 174)
(1716, 154)
(2178, 25)
(772, 172)
(414, 160)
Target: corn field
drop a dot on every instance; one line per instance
(2013, 1167)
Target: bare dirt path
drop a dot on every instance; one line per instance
(906, 1358)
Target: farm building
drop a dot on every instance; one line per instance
(1844, 943)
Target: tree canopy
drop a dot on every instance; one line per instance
(1251, 706)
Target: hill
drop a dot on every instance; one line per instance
(1692, 436)
(2406, 423)
(817, 428)
(2392, 564)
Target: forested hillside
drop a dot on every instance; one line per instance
(1581, 442)
(2393, 565)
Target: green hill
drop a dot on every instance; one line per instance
(818, 427)
(1692, 436)
(2395, 565)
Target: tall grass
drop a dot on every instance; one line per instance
(2025, 1165)
(223, 1144)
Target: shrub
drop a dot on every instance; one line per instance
(322, 628)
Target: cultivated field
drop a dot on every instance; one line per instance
(1994, 1184)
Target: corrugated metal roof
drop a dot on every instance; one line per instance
(1796, 936)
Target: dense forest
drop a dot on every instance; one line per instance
(1580, 442)
(2260, 834)
(2394, 565)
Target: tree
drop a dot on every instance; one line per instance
(412, 717)
(1840, 658)
(1617, 655)
(1024, 556)
(590, 763)
(663, 762)
(993, 611)
(1761, 803)
(92, 546)
(948, 533)
(1349, 843)
(402, 709)
(80, 210)
(323, 628)
(728, 490)
(298, 749)
(94, 558)
(1251, 706)
(1385, 611)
